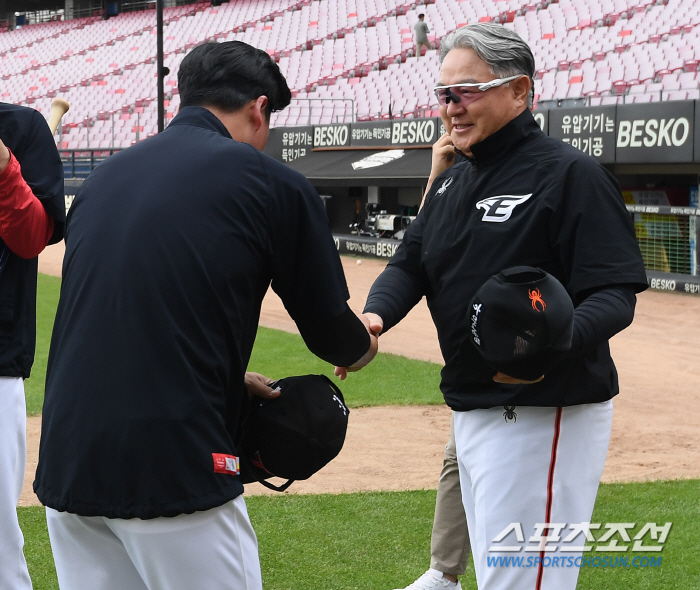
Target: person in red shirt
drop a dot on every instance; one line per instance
(25, 226)
(32, 215)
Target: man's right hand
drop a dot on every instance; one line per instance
(374, 324)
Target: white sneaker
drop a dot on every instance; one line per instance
(432, 580)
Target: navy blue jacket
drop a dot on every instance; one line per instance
(26, 133)
(170, 248)
(525, 199)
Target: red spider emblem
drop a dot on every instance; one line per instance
(536, 297)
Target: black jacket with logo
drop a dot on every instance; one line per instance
(25, 132)
(525, 199)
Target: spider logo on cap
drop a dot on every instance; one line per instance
(536, 297)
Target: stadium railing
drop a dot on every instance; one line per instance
(624, 98)
(668, 237)
(79, 163)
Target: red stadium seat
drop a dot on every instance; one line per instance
(365, 40)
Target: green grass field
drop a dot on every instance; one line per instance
(46, 301)
(380, 541)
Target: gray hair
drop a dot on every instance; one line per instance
(501, 49)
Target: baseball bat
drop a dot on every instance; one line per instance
(59, 107)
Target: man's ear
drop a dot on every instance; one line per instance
(259, 111)
(521, 89)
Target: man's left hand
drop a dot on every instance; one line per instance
(508, 380)
(259, 386)
(443, 158)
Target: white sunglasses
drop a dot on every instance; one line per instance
(445, 94)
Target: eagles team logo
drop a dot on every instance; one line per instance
(444, 186)
(499, 209)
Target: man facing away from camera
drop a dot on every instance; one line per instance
(170, 248)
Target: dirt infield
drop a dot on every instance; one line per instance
(655, 435)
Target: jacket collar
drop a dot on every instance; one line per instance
(505, 139)
(200, 117)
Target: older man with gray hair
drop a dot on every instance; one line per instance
(530, 450)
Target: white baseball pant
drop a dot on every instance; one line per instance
(540, 465)
(214, 549)
(13, 458)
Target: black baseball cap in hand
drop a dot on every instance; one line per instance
(521, 322)
(295, 434)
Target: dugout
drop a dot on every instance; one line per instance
(372, 174)
(652, 149)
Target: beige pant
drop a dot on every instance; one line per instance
(449, 547)
(419, 47)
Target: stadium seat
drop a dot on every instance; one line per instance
(353, 49)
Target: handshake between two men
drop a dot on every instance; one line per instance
(374, 325)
